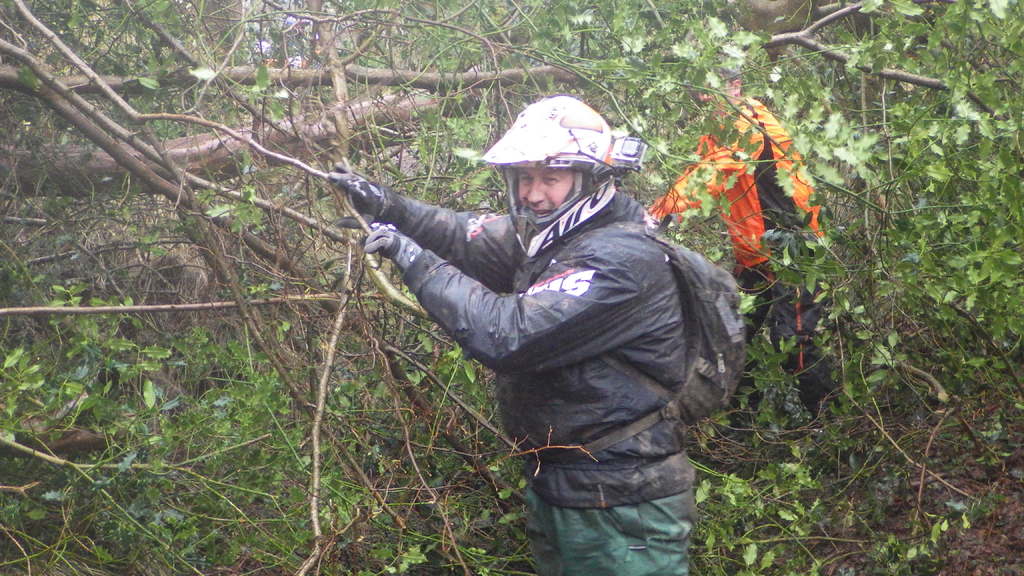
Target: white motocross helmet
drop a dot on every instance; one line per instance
(557, 132)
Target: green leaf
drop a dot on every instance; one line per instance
(220, 210)
(156, 352)
(13, 357)
(36, 514)
(998, 8)
(871, 6)
(126, 462)
(262, 78)
(203, 73)
(907, 8)
(27, 77)
(150, 83)
(633, 44)
(750, 554)
(148, 394)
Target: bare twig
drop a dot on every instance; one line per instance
(41, 455)
(25, 221)
(940, 392)
(237, 136)
(319, 547)
(24, 554)
(920, 479)
(804, 38)
(455, 397)
(145, 309)
(885, 433)
(22, 490)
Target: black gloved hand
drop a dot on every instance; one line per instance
(368, 198)
(392, 244)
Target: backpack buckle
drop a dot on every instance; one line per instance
(671, 411)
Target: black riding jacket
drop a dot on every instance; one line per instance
(545, 325)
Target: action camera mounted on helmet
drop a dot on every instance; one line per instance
(628, 154)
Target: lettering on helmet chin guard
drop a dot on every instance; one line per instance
(573, 282)
(578, 214)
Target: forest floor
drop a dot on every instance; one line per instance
(971, 467)
(994, 544)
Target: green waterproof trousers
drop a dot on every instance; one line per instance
(646, 539)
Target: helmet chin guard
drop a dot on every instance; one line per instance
(535, 236)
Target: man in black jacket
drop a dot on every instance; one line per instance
(560, 298)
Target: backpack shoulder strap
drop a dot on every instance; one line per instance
(670, 411)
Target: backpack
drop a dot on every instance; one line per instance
(716, 337)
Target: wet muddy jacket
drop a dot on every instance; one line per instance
(545, 325)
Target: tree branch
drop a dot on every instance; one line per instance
(318, 415)
(293, 77)
(804, 38)
(155, 308)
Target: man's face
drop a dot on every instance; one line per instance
(543, 190)
(733, 89)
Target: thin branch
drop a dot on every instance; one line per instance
(890, 73)
(162, 32)
(145, 309)
(318, 416)
(41, 455)
(237, 136)
(434, 498)
(22, 490)
(804, 38)
(919, 513)
(455, 397)
(885, 433)
(832, 17)
(75, 59)
(290, 77)
(24, 554)
(25, 221)
(940, 392)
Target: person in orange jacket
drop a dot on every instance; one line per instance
(765, 197)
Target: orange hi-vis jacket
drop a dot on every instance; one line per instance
(756, 202)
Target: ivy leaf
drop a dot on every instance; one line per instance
(53, 496)
(716, 28)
